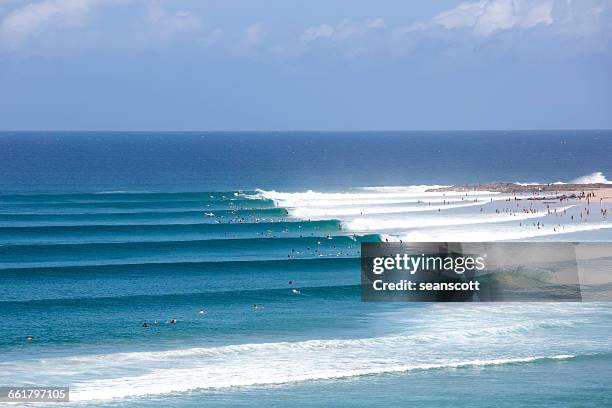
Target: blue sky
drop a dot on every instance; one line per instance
(287, 65)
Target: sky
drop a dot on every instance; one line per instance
(305, 65)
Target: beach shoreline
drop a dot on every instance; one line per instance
(597, 192)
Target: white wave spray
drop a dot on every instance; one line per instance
(593, 178)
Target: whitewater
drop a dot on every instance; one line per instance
(419, 213)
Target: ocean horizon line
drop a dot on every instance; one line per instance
(267, 131)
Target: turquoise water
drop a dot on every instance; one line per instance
(93, 245)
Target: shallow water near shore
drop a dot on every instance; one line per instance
(100, 233)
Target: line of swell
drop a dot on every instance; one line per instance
(124, 195)
(132, 228)
(33, 235)
(179, 267)
(132, 218)
(215, 242)
(200, 209)
(78, 254)
(211, 297)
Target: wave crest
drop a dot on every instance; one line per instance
(594, 178)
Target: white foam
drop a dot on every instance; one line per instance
(492, 234)
(593, 178)
(367, 202)
(307, 212)
(402, 222)
(373, 200)
(416, 188)
(394, 193)
(182, 380)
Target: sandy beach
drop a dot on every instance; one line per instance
(553, 191)
(605, 194)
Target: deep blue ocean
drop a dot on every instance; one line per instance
(250, 242)
(101, 161)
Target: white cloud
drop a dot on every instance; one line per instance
(35, 24)
(255, 35)
(375, 23)
(52, 25)
(464, 15)
(31, 19)
(315, 32)
(172, 22)
(344, 30)
(485, 17)
(214, 36)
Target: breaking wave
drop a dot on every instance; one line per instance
(420, 213)
(593, 178)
